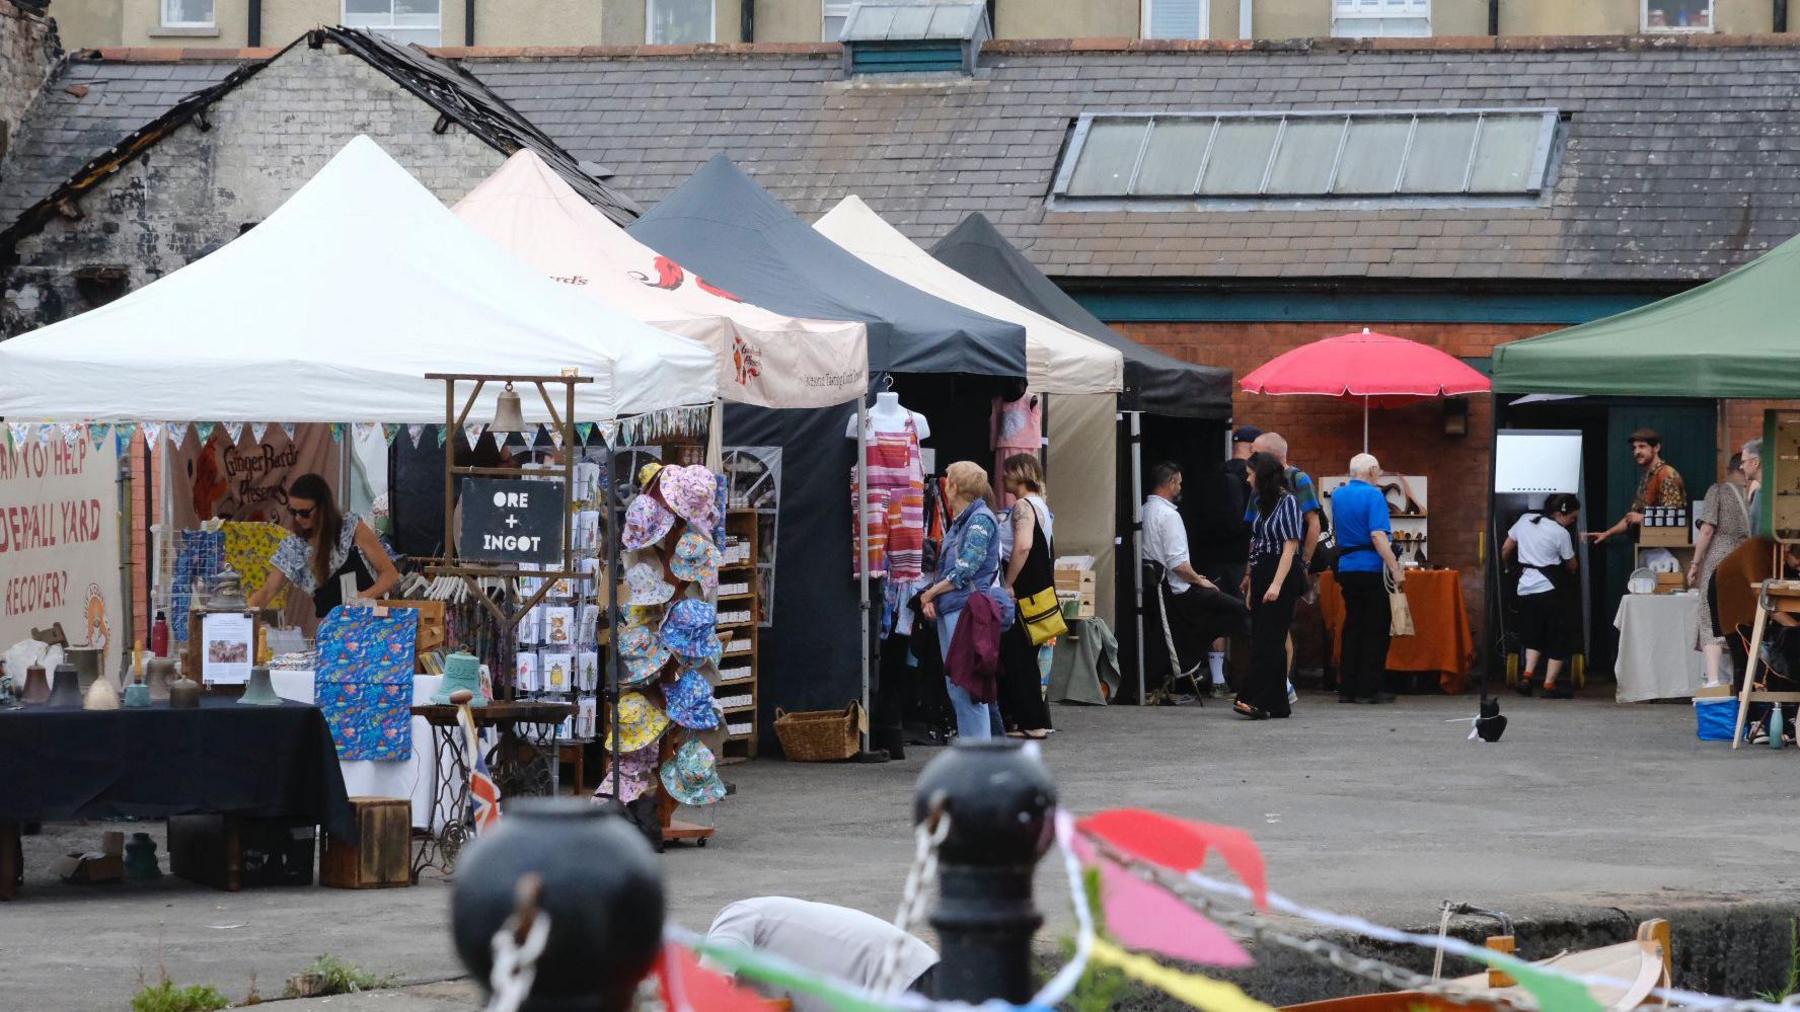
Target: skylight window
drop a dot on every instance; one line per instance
(1480, 153)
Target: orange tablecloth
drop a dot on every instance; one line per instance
(1444, 642)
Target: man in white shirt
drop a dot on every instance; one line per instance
(1199, 611)
(832, 941)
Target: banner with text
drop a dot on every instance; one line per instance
(59, 542)
(247, 479)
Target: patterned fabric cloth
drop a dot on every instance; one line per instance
(896, 504)
(294, 557)
(1286, 522)
(249, 548)
(1668, 490)
(201, 557)
(364, 682)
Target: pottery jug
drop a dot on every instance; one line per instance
(37, 685)
(600, 884)
(159, 673)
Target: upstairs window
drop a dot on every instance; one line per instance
(419, 22)
(679, 22)
(1186, 158)
(1376, 19)
(1678, 15)
(187, 14)
(1174, 19)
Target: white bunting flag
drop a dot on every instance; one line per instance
(153, 435)
(257, 429)
(413, 432)
(177, 434)
(288, 427)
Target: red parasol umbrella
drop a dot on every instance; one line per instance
(1369, 367)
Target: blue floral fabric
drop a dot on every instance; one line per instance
(201, 556)
(364, 682)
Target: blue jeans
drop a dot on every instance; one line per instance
(974, 721)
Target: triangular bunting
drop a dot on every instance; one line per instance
(204, 430)
(609, 433)
(21, 431)
(1180, 845)
(388, 432)
(555, 435)
(413, 432)
(257, 429)
(337, 432)
(367, 430)
(153, 435)
(44, 432)
(177, 433)
(96, 432)
(72, 433)
(122, 433)
(288, 428)
(472, 432)
(584, 431)
(442, 431)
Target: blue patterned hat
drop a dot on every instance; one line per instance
(696, 560)
(642, 655)
(690, 701)
(691, 776)
(690, 631)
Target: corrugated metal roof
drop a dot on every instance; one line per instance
(899, 22)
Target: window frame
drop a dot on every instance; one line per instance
(829, 10)
(1538, 182)
(1205, 15)
(164, 22)
(712, 25)
(350, 21)
(1644, 26)
(1345, 10)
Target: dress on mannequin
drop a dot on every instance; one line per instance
(895, 498)
(1017, 427)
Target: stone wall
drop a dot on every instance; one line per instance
(28, 50)
(196, 188)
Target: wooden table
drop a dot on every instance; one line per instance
(523, 764)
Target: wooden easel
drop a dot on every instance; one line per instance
(1776, 596)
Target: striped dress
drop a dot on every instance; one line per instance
(895, 504)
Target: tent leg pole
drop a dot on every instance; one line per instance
(862, 547)
(1365, 423)
(1137, 537)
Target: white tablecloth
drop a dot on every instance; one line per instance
(410, 778)
(1657, 659)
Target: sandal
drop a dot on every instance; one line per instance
(1248, 711)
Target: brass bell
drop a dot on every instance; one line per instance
(508, 415)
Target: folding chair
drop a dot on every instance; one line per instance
(1159, 610)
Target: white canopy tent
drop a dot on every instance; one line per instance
(765, 358)
(333, 309)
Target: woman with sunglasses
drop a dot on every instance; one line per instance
(326, 545)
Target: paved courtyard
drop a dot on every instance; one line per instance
(1585, 808)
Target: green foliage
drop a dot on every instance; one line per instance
(1101, 988)
(1793, 978)
(166, 997)
(330, 975)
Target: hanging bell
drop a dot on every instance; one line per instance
(260, 691)
(461, 671)
(159, 674)
(66, 689)
(101, 696)
(137, 696)
(508, 416)
(37, 686)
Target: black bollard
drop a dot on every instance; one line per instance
(1001, 802)
(597, 880)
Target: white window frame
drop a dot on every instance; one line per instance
(1144, 14)
(1712, 21)
(1389, 14)
(163, 12)
(829, 10)
(361, 21)
(712, 25)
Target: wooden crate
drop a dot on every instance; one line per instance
(381, 857)
(233, 852)
(431, 634)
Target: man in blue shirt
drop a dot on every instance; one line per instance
(1359, 515)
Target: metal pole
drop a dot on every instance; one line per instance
(1365, 423)
(611, 519)
(862, 545)
(1137, 536)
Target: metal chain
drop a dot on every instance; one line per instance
(928, 835)
(517, 946)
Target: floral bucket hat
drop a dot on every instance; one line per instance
(640, 724)
(690, 491)
(689, 630)
(690, 701)
(696, 560)
(643, 656)
(692, 775)
(637, 774)
(647, 585)
(646, 523)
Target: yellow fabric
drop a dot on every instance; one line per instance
(248, 549)
(1200, 992)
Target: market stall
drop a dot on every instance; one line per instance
(334, 310)
(944, 361)
(1168, 409)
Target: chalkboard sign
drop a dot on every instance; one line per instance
(512, 521)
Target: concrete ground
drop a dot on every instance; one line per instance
(1587, 813)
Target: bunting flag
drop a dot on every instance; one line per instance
(442, 431)
(1197, 991)
(556, 435)
(122, 433)
(44, 432)
(388, 432)
(689, 987)
(153, 435)
(20, 432)
(288, 428)
(337, 432)
(257, 429)
(609, 433)
(472, 432)
(97, 434)
(177, 433)
(584, 431)
(1180, 845)
(203, 431)
(413, 432)
(72, 433)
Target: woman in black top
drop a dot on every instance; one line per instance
(1276, 582)
(1028, 570)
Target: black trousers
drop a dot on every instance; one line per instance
(1270, 623)
(1368, 621)
(1199, 615)
(1020, 685)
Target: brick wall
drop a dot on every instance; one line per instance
(197, 187)
(28, 49)
(1323, 433)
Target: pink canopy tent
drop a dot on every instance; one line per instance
(765, 359)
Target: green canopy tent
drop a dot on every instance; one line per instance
(1735, 336)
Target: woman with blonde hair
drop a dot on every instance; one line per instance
(1030, 568)
(968, 572)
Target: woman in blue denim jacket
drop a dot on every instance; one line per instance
(969, 564)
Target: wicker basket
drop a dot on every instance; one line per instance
(820, 736)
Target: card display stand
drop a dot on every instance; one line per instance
(741, 659)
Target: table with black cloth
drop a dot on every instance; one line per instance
(68, 764)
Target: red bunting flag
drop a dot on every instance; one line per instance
(1180, 845)
(689, 987)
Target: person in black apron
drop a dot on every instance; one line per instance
(1544, 550)
(325, 546)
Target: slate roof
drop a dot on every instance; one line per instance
(1680, 161)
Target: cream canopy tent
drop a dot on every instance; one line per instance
(333, 309)
(765, 358)
(1058, 360)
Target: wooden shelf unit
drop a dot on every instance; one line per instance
(743, 524)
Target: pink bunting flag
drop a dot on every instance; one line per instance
(1180, 845)
(1146, 917)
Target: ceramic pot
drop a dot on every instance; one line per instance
(600, 885)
